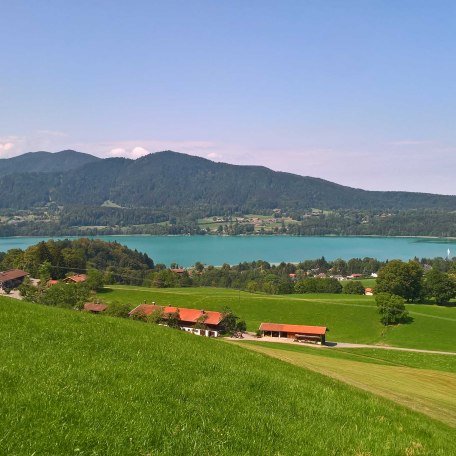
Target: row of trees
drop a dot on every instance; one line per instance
(400, 282)
(410, 281)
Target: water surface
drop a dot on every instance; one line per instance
(216, 250)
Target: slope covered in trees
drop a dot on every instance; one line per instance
(45, 162)
(178, 182)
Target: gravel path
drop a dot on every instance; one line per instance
(336, 345)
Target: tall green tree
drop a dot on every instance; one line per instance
(440, 286)
(401, 279)
(391, 308)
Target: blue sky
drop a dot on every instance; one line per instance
(358, 92)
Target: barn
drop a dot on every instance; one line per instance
(299, 333)
(12, 278)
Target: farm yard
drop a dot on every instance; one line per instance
(115, 386)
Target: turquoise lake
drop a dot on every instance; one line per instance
(216, 250)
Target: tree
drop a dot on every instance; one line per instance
(157, 316)
(95, 279)
(439, 286)
(172, 319)
(401, 279)
(241, 326)
(354, 287)
(199, 267)
(229, 321)
(69, 295)
(44, 272)
(391, 308)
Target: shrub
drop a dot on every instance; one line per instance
(354, 287)
(119, 309)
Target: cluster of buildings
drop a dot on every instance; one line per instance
(208, 323)
(13, 278)
(200, 322)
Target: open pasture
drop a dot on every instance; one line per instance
(76, 383)
(350, 318)
(428, 391)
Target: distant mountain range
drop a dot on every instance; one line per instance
(175, 182)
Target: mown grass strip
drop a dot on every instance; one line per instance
(426, 391)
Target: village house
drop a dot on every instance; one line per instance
(177, 270)
(355, 276)
(369, 291)
(299, 333)
(12, 278)
(94, 307)
(76, 278)
(199, 322)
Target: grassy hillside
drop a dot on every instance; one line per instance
(428, 391)
(75, 383)
(350, 318)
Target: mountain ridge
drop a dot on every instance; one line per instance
(42, 161)
(171, 180)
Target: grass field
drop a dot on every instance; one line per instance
(76, 383)
(350, 318)
(429, 391)
(430, 361)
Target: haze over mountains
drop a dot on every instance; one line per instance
(170, 180)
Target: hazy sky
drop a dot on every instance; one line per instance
(358, 92)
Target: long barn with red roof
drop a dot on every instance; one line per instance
(300, 333)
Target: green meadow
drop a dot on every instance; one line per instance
(398, 358)
(350, 318)
(421, 389)
(80, 384)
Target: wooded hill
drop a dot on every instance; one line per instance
(171, 181)
(45, 162)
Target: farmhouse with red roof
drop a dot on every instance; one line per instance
(76, 278)
(200, 322)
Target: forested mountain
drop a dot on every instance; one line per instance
(171, 181)
(45, 162)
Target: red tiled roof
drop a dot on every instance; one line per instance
(187, 315)
(77, 278)
(298, 329)
(52, 282)
(94, 307)
(177, 270)
(367, 290)
(12, 274)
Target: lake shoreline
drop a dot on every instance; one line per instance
(74, 236)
